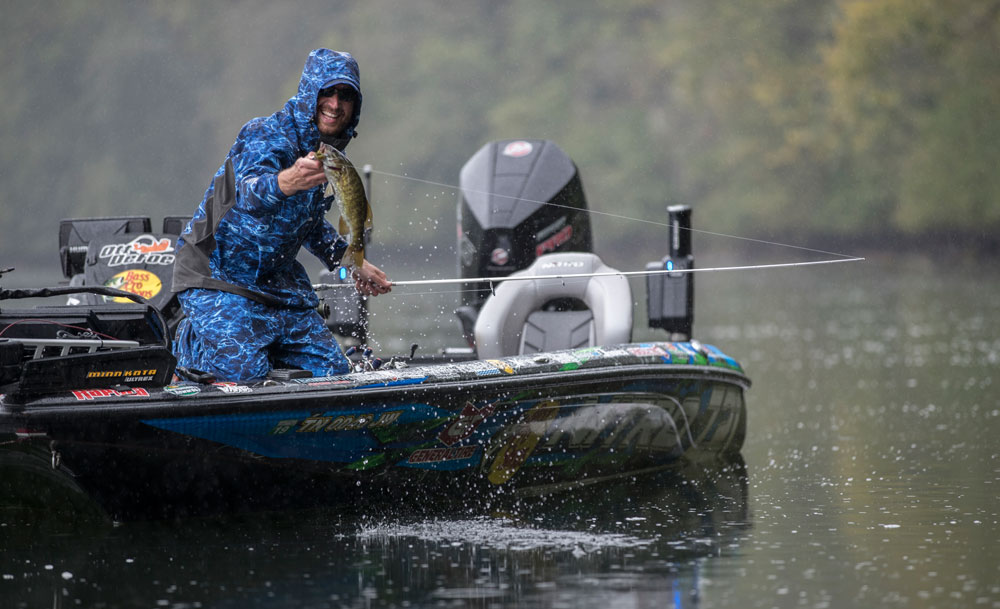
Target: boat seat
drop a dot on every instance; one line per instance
(513, 320)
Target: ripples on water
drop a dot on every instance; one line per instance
(591, 549)
(871, 481)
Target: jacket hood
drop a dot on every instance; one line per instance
(322, 67)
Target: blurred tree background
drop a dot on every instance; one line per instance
(832, 122)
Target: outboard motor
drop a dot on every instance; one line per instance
(518, 200)
(535, 315)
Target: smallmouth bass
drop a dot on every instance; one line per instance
(345, 184)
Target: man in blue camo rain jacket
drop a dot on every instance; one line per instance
(249, 304)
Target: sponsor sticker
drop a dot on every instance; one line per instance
(502, 366)
(182, 390)
(438, 455)
(144, 249)
(138, 281)
(124, 376)
(647, 351)
(230, 387)
(93, 394)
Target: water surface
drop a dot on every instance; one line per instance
(871, 477)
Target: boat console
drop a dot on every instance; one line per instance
(54, 349)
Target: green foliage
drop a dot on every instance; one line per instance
(773, 118)
(915, 86)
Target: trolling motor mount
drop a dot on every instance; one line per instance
(670, 296)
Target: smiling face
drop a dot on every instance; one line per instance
(334, 109)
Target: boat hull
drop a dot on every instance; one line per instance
(525, 424)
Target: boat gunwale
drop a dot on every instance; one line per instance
(278, 398)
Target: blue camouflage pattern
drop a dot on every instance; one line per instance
(238, 339)
(258, 240)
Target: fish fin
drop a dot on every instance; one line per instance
(369, 224)
(354, 257)
(343, 229)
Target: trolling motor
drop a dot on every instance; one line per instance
(670, 296)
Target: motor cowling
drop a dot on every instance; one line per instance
(518, 200)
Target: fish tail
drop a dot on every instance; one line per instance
(355, 256)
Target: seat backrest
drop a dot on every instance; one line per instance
(142, 264)
(501, 326)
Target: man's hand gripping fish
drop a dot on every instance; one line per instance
(355, 212)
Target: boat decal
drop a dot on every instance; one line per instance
(502, 366)
(517, 444)
(440, 455)
(182, 390)
(144, 249)
(230, 387)
(717, 356)
(338, 436)
(692, 355)
(137, 281)
(366, 463)
(468, 420)
(564, 360)
(618, 354)
(84, 395)
(651, 351)
(284, 426)
(590, 353)
(347, 422)
(328, 382)
(324, 380)
(609, 429)
(124, 376)
(395, 381)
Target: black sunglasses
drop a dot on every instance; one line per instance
(344, 92)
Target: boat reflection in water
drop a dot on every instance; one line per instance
(641, 541)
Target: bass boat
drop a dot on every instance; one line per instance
(550, 394)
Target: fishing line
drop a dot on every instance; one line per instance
(611, 215)
(563, 277)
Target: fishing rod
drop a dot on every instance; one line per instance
(564, 276)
